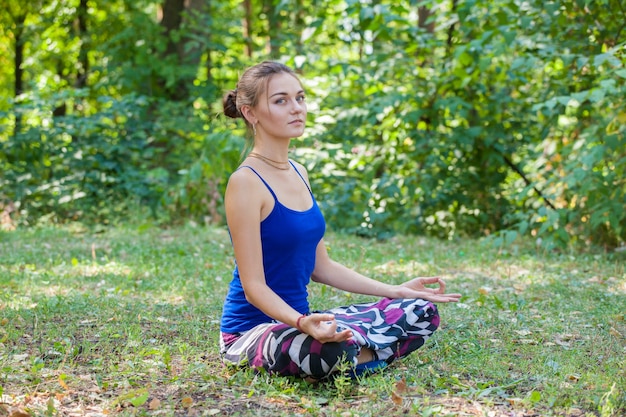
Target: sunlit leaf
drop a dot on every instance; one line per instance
(139, 400)
(535, 396)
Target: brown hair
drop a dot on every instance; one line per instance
(251, 86)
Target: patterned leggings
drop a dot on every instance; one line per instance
(391, 328)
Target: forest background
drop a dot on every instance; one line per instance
(447, 118)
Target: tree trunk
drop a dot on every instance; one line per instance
(194, 11)
(171, 21)
(18, 60)
(209, 59)
(423, 13)
(299, 26)
(61, 109)
(82, 69)
(273, 30)
(187, 58)
(451, 28)
(247, 27)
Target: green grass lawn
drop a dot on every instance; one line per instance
(125, 322)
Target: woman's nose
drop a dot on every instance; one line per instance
(297, 107)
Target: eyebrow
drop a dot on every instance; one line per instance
(285, 94)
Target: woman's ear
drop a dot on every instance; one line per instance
(248, 114)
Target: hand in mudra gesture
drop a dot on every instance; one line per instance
(417, 288)
(323, 327)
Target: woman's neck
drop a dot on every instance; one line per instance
(274, 151)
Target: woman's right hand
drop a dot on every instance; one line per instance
(323, 327)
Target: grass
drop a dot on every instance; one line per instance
(126, 322)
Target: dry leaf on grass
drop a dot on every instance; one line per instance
(155, 404)
(401, 386)
(573, 377)
(19, 413)
(396, 398)
(187, 402)
(62, 382)
(615, 333)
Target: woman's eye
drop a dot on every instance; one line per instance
(299, 99)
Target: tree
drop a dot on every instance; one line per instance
(15, 17)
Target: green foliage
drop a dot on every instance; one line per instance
(456, 132)
(198, 192)
(79, 166)
(444, 118)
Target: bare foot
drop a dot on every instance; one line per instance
(366, 355)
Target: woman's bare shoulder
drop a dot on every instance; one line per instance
(243, 178)
(301, 168)
(245, 186)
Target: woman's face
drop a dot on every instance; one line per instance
(281, 110)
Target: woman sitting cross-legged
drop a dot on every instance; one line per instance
(277, 230)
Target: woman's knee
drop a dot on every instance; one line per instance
(422, 314)
(435, 320)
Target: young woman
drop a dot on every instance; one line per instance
(277, 233)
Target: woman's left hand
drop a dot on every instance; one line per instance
(416, 288)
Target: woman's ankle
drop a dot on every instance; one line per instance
(366, 355)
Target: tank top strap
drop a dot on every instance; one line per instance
(261, 178)
(300, 175)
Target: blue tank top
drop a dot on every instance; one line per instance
(289, 239)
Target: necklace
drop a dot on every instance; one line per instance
(271, 162)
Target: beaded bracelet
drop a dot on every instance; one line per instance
(298, 322)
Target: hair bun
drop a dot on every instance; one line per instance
(230, 104)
